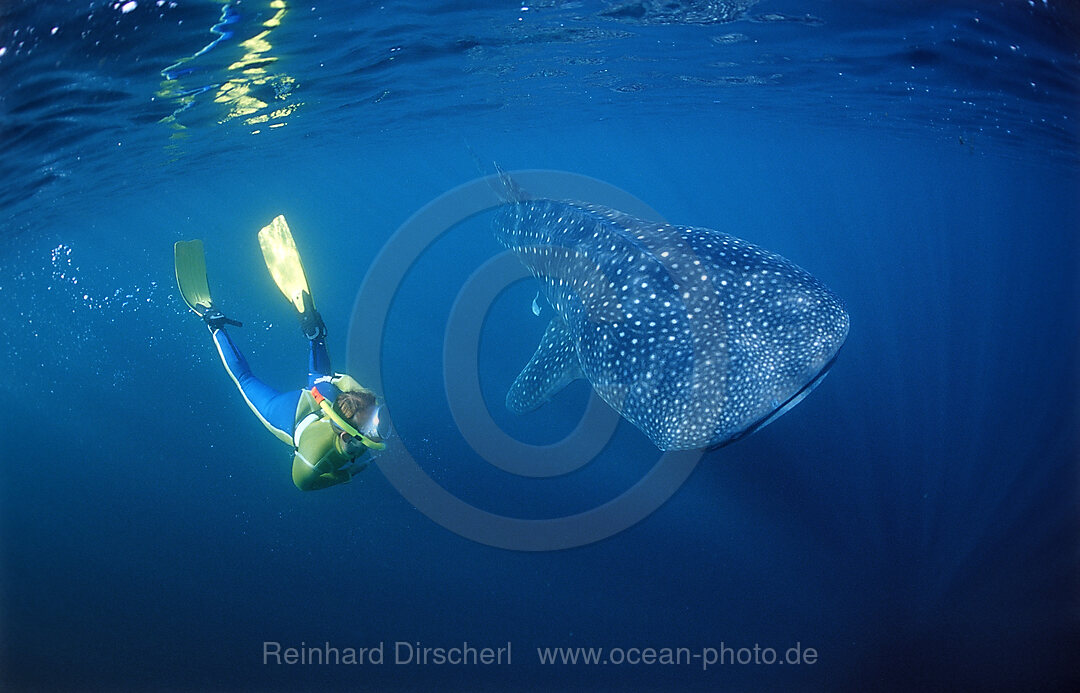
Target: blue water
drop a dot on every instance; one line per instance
(914, 521)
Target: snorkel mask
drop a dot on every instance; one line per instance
(373, 433)
(377, 426)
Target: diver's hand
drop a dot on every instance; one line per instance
(354, 467)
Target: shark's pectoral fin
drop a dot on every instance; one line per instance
(554, 365)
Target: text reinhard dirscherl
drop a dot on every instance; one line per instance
(399, 652)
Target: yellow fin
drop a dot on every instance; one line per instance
(191, 274)
(283, 261)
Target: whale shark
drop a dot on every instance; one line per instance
(694, 336)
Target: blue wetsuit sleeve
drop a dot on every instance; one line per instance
(318, 361)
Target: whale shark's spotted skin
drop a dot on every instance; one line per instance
(694, 336)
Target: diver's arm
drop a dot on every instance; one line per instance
(341, 475)
(308, 478)
(324, 480)
(355, 465)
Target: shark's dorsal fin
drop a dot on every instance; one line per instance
(552, 367)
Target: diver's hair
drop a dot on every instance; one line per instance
(350, 404)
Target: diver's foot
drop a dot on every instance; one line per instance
(311, 323)
(215, 320)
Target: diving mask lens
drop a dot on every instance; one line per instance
(377, 427)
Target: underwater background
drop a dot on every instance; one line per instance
(915, 521)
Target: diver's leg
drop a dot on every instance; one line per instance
(277, 410)
(318, 361)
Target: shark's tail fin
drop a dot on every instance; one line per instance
(509, 190)
(506, 189)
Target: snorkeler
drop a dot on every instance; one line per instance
(334, 423)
